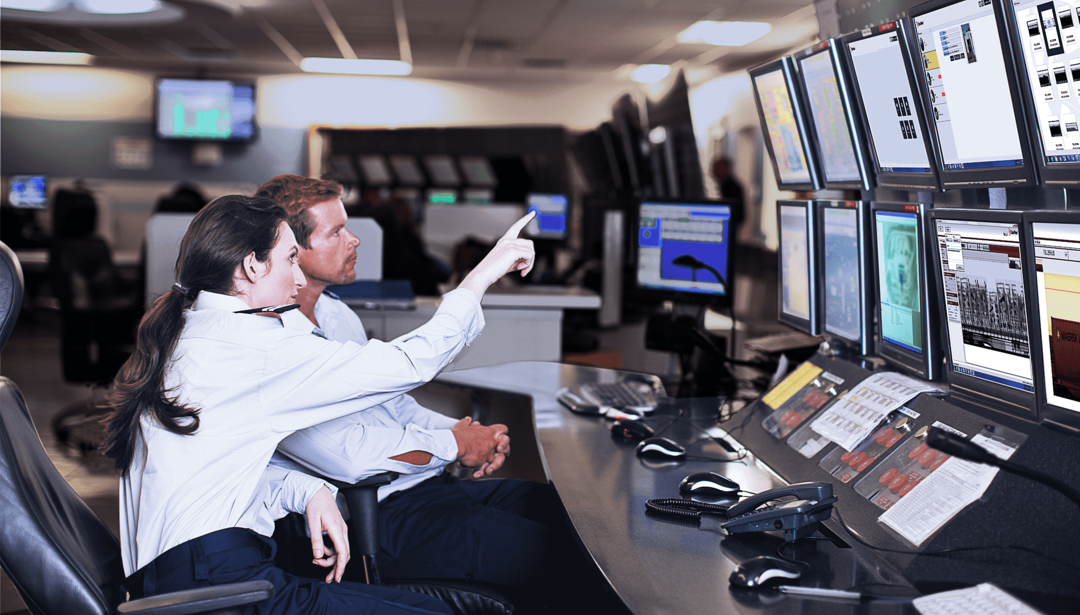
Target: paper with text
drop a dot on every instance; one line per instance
(860, 410)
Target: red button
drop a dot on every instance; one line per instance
(898, 483)
(918, 450)
(887, 477)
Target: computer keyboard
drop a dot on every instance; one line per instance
(984, 599)
(621, 394)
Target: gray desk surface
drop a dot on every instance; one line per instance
(655, 565)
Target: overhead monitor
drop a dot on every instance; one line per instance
(880, 64)
(478, 196)
(552, 214)
(846, 273)
(406, 170)
(478, 171)
(985, 310)
(838, 136)
(28, 191)
(441, 196)
(441, 170)
(970, 91)
(907, 316)
(783, 119)
(376, 171)
(684, 251)
(800, 301)
(1045, 39)
(1054, 250)
(205, 110)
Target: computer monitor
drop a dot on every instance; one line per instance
(441, 170)
(684, 251)
(907, 312)
(205, 110)
(1043, 36)
(376, 171)
(551, 221)
(971, 95)
(837, 135)
(783, 120)
(879, 62)
(478, 196)
(478, 171)
(800, 301)
(1052, 263)
(28, 191)
(441, 196)
(406, 170)
(984, 317)
(846, 273)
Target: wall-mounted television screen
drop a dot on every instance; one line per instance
(205, 110)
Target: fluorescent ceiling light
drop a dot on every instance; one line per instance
(726, 33)
(355, 67)
(32, 5)
(44, 57)
(118, 7)
(650, 73)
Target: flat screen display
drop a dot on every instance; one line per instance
(551, 215)
(205, 110)
(985, 309)
(782, 129)
(375, 170)
(971, 107)
(795, 292)
(406, 170)
(1049, 35)
(899, 290)
(28, 191)
(684, 247)
(889, 105)
(1057, 281)
(441, 170)
(834, 142)
(843, 292)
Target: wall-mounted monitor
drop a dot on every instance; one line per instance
(1045, 39)
(684, 251)
(406, 170)
(1052, 262)
(984, 315)
(846, 273)
(205, 110)
(783, 120)
(441, 196)
(837, 133)
(972, 98)
(376, 171)
(28, 191)
(552, 216)
(441, 170)
(799, 296)
(879, 62)
(908, 325)
(478, 171)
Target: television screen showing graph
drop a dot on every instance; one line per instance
(210, 110)
(846, 272)
(683, 250)
(971, 98)
(782, 118)
(985, 310)
(799, 305)
(1046, 40)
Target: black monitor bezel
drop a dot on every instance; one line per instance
(865, 275)
(982, 392)
(814, 324)
(798, 108)
(859, 144)
(1051, 175)
(892, 179)
(646, 294)
(984, 177)
(1048, 412)
(254, 116)
(927, 365)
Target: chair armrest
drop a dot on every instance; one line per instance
(376, 481)
(219, 599)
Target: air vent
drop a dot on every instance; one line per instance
(543, 63)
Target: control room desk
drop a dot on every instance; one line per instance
(656, 565)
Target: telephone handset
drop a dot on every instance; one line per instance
(813, 502)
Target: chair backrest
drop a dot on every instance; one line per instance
(61, 557)
(11, 292)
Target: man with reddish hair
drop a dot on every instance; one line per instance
(431, 523)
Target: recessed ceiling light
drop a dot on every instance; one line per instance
(342, 66)
(45, 57)
(118, 7)
(33, 5)
(650, 73)
(726, 33)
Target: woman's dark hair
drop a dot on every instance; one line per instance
(216, 243)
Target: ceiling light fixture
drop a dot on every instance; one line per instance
(32, 5)
(726, 33)
(118, 7)
(650, 73)
(45, 57)
(342, 66)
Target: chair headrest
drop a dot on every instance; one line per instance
(11, 292)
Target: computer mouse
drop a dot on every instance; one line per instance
(631, 429)
(764, 570)
(661, 447)
(709, 483)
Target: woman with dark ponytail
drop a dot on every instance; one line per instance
(216, 381)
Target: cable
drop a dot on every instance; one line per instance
(684, 509)
(670, 423)
(742, 452)
(780, 551)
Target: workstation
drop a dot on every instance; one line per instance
(839, 338)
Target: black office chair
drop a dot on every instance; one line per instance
(57, 552)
